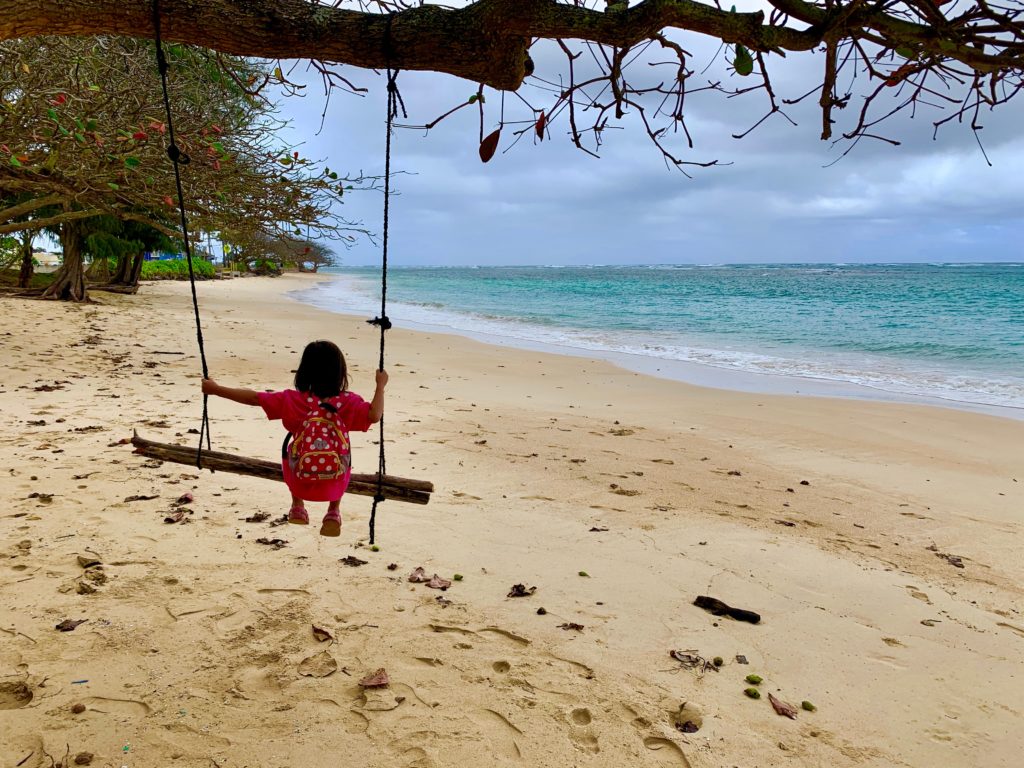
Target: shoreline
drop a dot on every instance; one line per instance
(839, 521)
(693, 373)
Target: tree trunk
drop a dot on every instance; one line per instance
(99, 271)
(121, 273)
(136, 270)
(129, 268)
(69, 281)
(27, 267)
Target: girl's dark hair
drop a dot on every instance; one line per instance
(322, 370)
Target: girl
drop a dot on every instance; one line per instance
(318, 415)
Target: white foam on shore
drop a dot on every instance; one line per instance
(817, 373)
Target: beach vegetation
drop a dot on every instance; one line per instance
(905, 55)
(177, 269)
(90, 140)
(264, 254)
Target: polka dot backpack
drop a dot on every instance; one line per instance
(320, 449)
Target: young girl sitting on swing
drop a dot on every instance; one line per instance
(318, 414)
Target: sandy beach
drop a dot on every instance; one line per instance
(880, 544)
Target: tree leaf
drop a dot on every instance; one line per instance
(542, 121)
(782, 708)
(743, 62)
(489, 145)
(15, 162)
(132, 162)
(113, 186)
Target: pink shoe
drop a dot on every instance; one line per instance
(298, 516)
(332, 523)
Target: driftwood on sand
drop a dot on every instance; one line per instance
(394, 488)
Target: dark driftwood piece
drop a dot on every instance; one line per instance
(718, 608)
(394, 488)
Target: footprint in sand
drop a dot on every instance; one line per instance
(918, 594)
(666, 751)
(15, 694)
(581, 733)
(120, 707)
(499, 733)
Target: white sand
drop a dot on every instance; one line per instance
(193, 646)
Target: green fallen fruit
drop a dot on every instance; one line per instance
(584, 574)
(753, 693)
(457, 577)
(718, 661)
(375, 548)
(808, 706)
(754, 679)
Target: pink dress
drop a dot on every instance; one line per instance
(292, 407)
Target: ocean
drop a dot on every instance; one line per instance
(909, 332)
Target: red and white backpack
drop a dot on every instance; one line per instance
(320, 449)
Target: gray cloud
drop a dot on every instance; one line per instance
(548, 203)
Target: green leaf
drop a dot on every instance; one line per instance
(905, 52)
(90, 125)
(113, 186)
(743, 62)
(80, 137)
(95, 88)
(284, 160)
(473, 98)
(219, 147)
(132, 162)
(52, 114)
(15, 162)
(64, 131)
(333, 176)
(80, 124)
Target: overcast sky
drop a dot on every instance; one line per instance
(548, 203)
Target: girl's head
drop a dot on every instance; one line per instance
(322, 370)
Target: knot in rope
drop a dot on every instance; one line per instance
(177, 156)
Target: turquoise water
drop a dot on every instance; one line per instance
(938, 331)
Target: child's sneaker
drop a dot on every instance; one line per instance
(298, 516)
(332, 523)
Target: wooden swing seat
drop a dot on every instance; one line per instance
(393, 488)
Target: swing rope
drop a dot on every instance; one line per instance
(178, 159)
(383, 322)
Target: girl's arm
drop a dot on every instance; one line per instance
(377, 404)
(243, 396)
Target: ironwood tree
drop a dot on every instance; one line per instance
(83, 134)
(964, 56)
